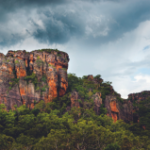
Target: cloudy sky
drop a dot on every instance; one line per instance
(106, 37)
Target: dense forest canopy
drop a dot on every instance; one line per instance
(52, 126)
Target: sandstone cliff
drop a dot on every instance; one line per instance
(28, 77)
(126, 108)
(119, 110)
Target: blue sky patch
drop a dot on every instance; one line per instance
(143, 71)
(146, 47)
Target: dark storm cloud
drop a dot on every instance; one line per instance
(7, 6)
(91, 22)
(119, 17)
(126, 17)
(13, 39)
(59, 28)
(20, 3)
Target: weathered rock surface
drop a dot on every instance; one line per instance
(119, 110)
(135, 98)
(97, 102)
(94, 80)
(75, 99)
(117, 107)
(28, 77)
(112, 107)
(139, 96)
(125, 110)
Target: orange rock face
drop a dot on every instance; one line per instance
(114, 116)
(119, 110)
(41, 75)
(52, 83)
(112, 108)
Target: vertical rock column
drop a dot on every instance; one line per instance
(20, 69)
(74, 99)
(63, 82)
(97, 102)
(112, 107)
(52, 78)
(9, 92)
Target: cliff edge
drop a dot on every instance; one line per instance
(28, 77)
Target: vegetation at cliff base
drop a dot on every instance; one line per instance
(57, 126)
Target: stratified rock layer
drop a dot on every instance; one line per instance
(28, 77)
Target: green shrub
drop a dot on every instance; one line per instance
(51, 65)
(79, 101)
(8, 60)
(17, 61)
(44, 78)
(113, 146)
(37, 88)
(64, 69)
(48, 50)
(144, 93)
(13, 82)
(43, 89)
(97, 76)
(119, 99)
(33, 78)
(10, 87)
(103, 110)
(59, 54)
(39, 62)
(10, 83)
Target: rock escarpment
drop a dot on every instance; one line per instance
(117, 107)
(119, 110)
(126, 108)
(135, 99)
(28, 77)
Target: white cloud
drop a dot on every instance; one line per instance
(142, 78)
(119, 61)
